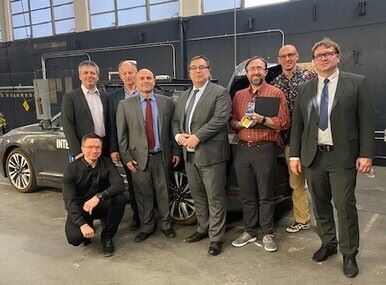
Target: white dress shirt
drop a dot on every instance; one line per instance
(94, 103)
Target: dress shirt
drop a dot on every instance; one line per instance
(154, 108)
(129, 94)
(281, 121)
(94, 103)
(81, 182)
(325, 137)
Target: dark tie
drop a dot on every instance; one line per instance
(149, 125)
(323, 113)
(189, 110)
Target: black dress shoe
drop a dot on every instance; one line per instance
(350, 266)
(169, 233)
(215, 248)
(86, 241)
(196, 237)
(134, 225)
(108, 246)
(142, 236)
(324, 252)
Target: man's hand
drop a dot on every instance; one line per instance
(182, 138)
(295, 166)
(115, 156)
(79, 155)
(192, 142)
(363, 165)
(87, 231)
(90, 204)
(175, 160)
(131, 165)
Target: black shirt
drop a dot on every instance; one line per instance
(81, 182)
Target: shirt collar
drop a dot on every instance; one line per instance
(332, 77)
(258, 91)
(130, 93)
(151, 97)
(201, 89)
(86, 91)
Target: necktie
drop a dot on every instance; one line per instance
(149, 125)
(323, 113)
(189, 110)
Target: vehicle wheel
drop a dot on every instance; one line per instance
(181, 203)
(20, 171)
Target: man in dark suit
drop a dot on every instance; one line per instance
(85, 110)
(333, 137)
(127, 73)
(147, 149)
(200, 121)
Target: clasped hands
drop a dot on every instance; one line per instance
(254, 118)
(188, 141)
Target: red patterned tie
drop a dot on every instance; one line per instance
(149, 125)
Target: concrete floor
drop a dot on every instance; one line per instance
(33, 249)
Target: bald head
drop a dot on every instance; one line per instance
(145, 82)
(288, 58)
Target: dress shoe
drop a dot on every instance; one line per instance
(215, 248)
(196, 237)
(108, 246)
(169, 233)
(324, 252)
(142, 236)
(86, 242)
(134, 225)
(350, 266)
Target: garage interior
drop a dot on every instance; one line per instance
(33, 248)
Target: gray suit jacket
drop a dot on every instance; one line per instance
(131, 131)
(351, 121)
(77, 120)
(209, 124)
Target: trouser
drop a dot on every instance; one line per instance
(299, 193)
(110, 210)
(207, 184)
(130, 186)
(328, 180)
(255, 175)
(151, 185)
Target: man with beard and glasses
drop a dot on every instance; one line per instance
(256, 153)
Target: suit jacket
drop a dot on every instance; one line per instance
(351, 121)
(77, 119)
(209, 124)
(114, 99)
(131, 131)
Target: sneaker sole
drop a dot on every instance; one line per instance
(244, 243)
(296, 230)
(270, 249)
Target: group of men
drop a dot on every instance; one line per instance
(331, 139)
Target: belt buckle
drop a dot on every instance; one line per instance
(250, 143)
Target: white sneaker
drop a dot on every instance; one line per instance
(243, 240)
(269, 243)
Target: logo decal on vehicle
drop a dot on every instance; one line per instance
(61, 143)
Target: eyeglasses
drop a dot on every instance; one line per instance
(200, 67)
(289, 55)
(326, 55)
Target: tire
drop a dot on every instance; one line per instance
(20, 171)
(182, 208)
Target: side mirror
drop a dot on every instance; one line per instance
(45, 124)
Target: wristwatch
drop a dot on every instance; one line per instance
(264, 120)
(99, 196)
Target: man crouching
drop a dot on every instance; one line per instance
(92, 189)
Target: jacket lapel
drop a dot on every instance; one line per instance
(203, 98)
(341, 86)
(138, 112)
(83, 102)
(184, 99)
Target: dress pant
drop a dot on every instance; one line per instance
(130, 186)
(255, 175)
(328, 180)
(110, 210)
(151, 185)
(207, 184)
(299, 193)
